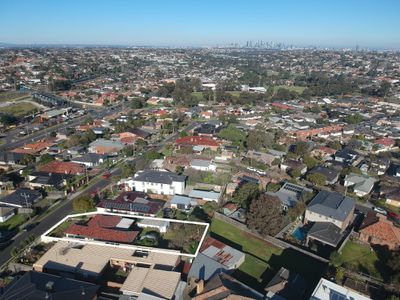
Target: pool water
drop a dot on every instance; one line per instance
(299, 234)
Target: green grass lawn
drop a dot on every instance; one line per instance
(198, 95)
(59, 231)
(19, 109)
(12, 96)
(14, 222)
(361, 258)
(263, 259)
(297, 89)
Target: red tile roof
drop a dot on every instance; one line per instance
(197, 140)
(101, 227)
(384, 230)
(387, 142)
(63, 167)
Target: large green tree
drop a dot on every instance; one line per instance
(265, 215)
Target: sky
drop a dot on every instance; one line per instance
(325, 23)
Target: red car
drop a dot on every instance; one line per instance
(106, 175)
(394, 216)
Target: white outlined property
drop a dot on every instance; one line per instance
(46, 237)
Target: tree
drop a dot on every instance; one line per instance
(300, 148)
(295, 173)
(136, 103)
(83, 203)
(152, 155)
(7, 119)
(233, 134)
(317, 178)
(245, 194)
(265, 215)
(297, 210)
(273, 187)
(310, 161)
(126, 170)
(354, 118)
(183, 134)
(257, 139)
(46, 158)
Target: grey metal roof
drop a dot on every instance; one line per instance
(178, 199)
(90, 157)
(204, 267)
(156, 176)
(332, 204)
(22, 196)
(206, 195)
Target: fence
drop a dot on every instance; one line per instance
(274, 241)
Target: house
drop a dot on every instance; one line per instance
(380, 166)
(63, 167)
(393, 197)
(223, 286)
(325, 153)
(21, 198)
(385, 144)
(11, 158)
(291, 164)
(108, 147)
(89, 260)
(215, 257)
(131, 135)
(202, 141)
(203, 165)
(331, 175)
(103, 228)
(47, 180)
(265, 158)
(346, 156)
(287, 285)
(133, 203)
(90, 160)
(207, 129)
(229, 208)
(182, 202)
(376, 229)
(326, 233)
(160, 225)
(38, 285)
(158, 182)
(330, 207)
(205, 195)
(327, 290)
(362, 184)
(289, 194)
(6, 212)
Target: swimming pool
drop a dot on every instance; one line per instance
(299, 234)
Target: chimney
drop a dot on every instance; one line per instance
(200, 287)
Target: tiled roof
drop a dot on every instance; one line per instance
(62, 167)
(197, 140)
(383, 229)
(102, 228)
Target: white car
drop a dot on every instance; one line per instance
(380, 210)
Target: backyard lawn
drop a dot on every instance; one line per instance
(361, 258)
(19, 109)
(297, 89)
(263, 259)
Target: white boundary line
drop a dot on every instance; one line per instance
(45, 236)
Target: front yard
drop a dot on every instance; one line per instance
(14, 222)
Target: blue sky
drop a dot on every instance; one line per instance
(340, 23)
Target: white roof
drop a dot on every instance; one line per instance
(125, 223)
(327, 290)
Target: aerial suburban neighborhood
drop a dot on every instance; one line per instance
(245, 171)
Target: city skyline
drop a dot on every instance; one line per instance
(367, 24)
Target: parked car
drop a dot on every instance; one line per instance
(106, 175)
(380, 210)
